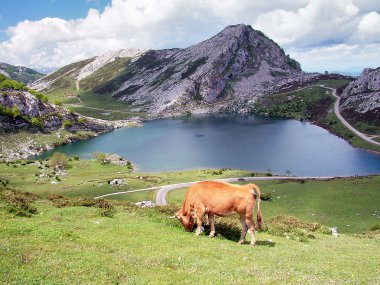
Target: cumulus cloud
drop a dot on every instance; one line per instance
(340, 57)
(368, 30)
(304, 27)
(321, 22)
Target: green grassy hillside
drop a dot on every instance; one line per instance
(75, 245)
(76, 240)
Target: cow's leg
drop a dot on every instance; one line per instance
(200, 216)
(251, 226)
(211, 219)
(243, 231)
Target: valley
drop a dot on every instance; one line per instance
(96, 156)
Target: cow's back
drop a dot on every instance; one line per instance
(221, 198)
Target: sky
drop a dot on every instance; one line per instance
(332, 35)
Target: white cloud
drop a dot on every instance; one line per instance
(321, 22)
(304, 27)
(368, 29)
(340, 57)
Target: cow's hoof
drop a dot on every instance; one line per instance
(240, 241)
(211, 235)
(253, 243)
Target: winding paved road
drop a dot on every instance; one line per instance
(351, 128)
(163, 190)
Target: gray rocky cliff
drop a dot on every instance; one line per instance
(361, 98)
(33, 114)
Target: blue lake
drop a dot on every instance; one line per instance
(251, 143)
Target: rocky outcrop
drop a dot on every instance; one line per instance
(361, 98)
(20, 110)
(227, 72)
(23, 112)
(19, 73)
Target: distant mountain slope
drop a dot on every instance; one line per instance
(20, 73)
(361, 98)
(89, 73)
(227, 72)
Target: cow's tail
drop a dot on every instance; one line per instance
(259, 218)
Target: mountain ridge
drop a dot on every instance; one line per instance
(226, 72)
(19, 73)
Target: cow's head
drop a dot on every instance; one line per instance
(186, 219)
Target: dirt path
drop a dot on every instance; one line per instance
(99, 109)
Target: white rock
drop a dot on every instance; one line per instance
(145, 204)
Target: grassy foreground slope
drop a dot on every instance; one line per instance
(74, 245)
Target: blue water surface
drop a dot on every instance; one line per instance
(250, 143)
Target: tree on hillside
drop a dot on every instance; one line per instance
(59, 160)
(102, 158)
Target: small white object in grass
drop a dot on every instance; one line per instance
(334, 232)
(97, 222)
(269, 240)
(202, 229)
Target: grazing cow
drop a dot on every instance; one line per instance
(221, 199)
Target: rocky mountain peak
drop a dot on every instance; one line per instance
(239, 64)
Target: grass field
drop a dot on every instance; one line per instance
(339, 202)
(351, 204)
(90, 178)
(333, 83)
(75, 245)
(101, 106)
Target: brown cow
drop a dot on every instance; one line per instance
(221, 199)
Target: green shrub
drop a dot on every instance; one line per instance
(290, 227)
(106, 208)
(37, 122)
(39, 95)
(67, 124)
(266, 197)
(19, 203)
(58, 102)
(80, 120)
(58, 160)
(3, 77)
(102, 158)
(12, 84)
